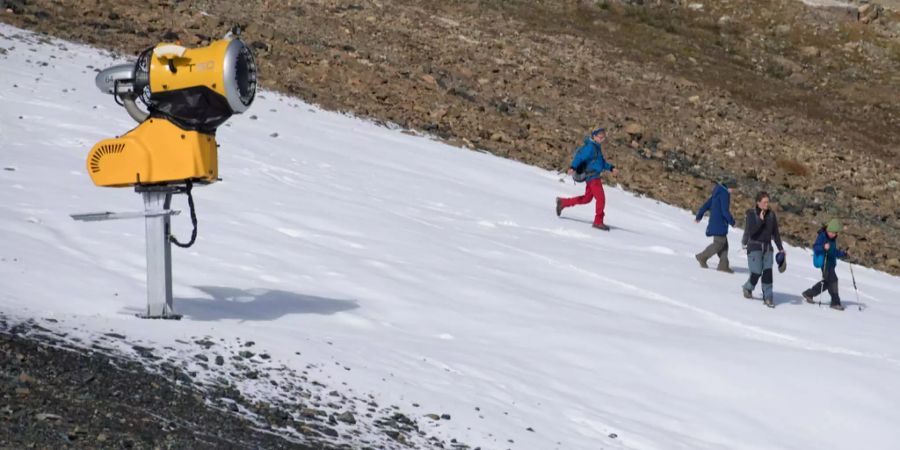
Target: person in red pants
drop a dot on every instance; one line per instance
(587, 165)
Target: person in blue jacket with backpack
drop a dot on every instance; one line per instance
(587, 165)
(718, 205)
(825, 255)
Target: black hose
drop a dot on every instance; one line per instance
(189, 185)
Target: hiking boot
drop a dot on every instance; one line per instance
(701, 261)
(837, 306)
(807, 298)
(600, 226)
(769, 302)
(747, 294)
(725, 269)
(559, 206)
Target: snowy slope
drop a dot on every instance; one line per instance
(421, 273)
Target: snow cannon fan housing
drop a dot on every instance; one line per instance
(188, 94)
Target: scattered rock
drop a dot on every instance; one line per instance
(810, 51)
(347, 418)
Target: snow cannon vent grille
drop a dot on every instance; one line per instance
(101, 152)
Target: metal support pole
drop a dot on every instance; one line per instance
(159, 256)
(156, 214)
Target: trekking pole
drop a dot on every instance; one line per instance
(853, 277)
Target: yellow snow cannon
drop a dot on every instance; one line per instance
(187, 93)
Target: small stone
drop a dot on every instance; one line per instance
(810, 51)
(274, 135)
(499, 136)
(613, 435)
(220, 360)
(695, 99)
(445, 416)
(347, 418)
(633, 129)
(670, 58)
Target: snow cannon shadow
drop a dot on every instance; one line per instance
(256, 304)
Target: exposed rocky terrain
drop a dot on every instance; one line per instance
(800, 101)
(59, 390)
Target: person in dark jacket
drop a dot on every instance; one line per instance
(760, 230)
(718, 205)
(827, 249)
(590, 156)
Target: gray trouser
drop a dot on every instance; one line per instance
(760, 264)
(719, 247)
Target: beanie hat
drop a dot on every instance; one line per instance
(834, 226)
(598, 131)
(782, 262)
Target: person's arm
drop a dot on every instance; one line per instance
(775, 233)
(703, 209)
(753, 223)
(819, 245)
(726, 214)
(748, 221)
(838, 253)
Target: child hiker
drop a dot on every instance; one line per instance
(589, 164)
(718, 205)
(825, 255)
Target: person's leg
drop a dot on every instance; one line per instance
(600, 196)
(723, 253)
(580, 200)
(710, 250)
(768, 261)
(831, 280)
(814, 290)
(754, 262)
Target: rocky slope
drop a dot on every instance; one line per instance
(800, 101)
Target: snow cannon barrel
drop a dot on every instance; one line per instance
(188, 93)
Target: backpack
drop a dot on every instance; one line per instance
(818, 260)
(581, 172)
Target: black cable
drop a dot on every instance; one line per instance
(193, 218)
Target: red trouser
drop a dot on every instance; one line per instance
(593, 190)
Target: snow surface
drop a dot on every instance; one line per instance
(439, 276)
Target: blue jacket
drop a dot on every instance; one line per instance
(719, 215)
(591, 153)
(833, 252)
